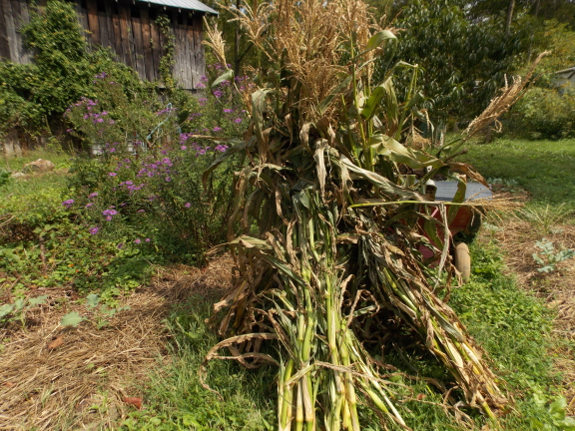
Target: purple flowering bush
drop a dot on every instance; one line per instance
(116, 117)
(144, 181)
(159, 197)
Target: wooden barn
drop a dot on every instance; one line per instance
(129, 28)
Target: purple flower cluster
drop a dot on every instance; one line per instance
(109, 213)
(191, 117)
(131, 186)
(97, 118)
(94, 230)
(166, 110)
(87, 102)
(156, 168)
(199, 150)
(101, 75)
(68, 203)
(138, 240)
(218, 66)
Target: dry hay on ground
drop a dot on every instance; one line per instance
(82, 382)
(517, 239)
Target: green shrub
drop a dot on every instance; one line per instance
(544, 113)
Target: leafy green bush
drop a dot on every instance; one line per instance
(63, 71)
(4, 177)
(544, 113)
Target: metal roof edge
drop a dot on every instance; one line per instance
(569, 69)
(195, 5)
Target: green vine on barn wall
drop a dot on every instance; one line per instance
(167, 61)
(62, 70)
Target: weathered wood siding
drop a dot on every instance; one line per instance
(129, 29)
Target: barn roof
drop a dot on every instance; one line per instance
(184, 4)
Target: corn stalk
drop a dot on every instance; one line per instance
(333, 219)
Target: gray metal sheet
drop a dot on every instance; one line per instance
(446, 191)
(184, 4)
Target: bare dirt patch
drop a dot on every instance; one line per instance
(62, 378)
(518, 241)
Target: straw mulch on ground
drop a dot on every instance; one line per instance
(56, 378)
(517, 239)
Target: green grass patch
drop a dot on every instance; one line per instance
(60, 159)
(45, 244)
(515, 328)
(544, 168)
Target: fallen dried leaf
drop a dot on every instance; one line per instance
(9, 384)
(55, 343)
(421, 396)
(135, 401)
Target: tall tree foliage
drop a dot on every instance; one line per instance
(463, 62)
(516, 10)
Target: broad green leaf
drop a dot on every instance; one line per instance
(226, 76)
(567, 424)
(38, 300)
(372, 103)
(398, 153)
(6, 309)
(431, 227)
(18, 304)
(72, 319)
(416, 99)
(378, 38)
(557, 408)
(237, 147)
(377, 180)
(458, 198)
(92, 300)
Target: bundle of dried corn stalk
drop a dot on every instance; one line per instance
(333, 225)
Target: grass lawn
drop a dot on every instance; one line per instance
(546, 169)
